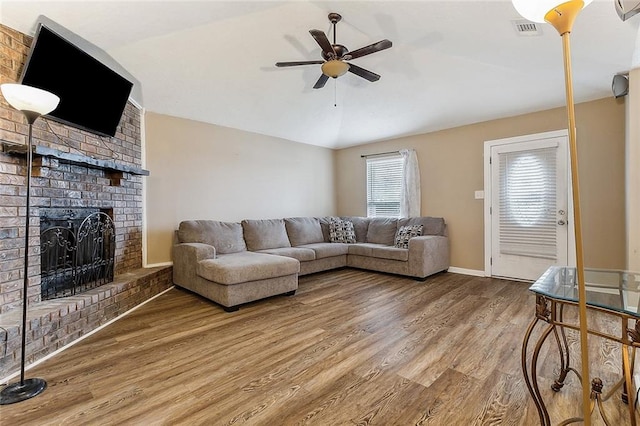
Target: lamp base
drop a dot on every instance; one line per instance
(17, 392)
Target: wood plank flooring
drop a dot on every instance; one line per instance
(350, 348)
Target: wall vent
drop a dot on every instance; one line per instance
(526, 28)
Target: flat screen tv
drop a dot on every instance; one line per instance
(92, 95)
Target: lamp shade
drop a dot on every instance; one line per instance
(335, 68)
(27, 98)
(535, 10)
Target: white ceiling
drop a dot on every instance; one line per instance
(452, 62)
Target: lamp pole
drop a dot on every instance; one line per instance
(33, 103)
(577, 226)
(562, 17)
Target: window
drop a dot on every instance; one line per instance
(528, 203)
(384, 186)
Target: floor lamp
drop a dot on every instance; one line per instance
(561, 15)
(33, 103)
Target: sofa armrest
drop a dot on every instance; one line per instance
(428, 254)
(185, 261)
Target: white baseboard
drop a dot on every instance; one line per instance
(79, 339)
(155, 265)
(464, 271)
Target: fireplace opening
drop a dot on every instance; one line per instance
(77, 250)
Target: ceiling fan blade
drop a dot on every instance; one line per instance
(323, 41)
(372, 48)
(296, 63)
(321, 81)
(361, 72)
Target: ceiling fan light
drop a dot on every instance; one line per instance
(535, 10)
(335, 68)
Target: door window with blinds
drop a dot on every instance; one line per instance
(384, 186)
(528, 203)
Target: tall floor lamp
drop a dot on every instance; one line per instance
(561, 15)
(33, 103)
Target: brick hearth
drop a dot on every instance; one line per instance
(72, 168)
(55, 323)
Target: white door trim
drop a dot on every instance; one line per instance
(488, 145)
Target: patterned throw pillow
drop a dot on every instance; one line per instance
(405, 233)
(341, 231)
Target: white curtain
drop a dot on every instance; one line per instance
(410, 202)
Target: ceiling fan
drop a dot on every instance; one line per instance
(336, 56)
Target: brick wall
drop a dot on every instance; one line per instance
(59, 183)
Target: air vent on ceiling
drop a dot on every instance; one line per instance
(526, 28)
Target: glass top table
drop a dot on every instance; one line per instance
(616, 293)
(615, 290)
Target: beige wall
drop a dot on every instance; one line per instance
(203, 171)
(451, 167)
(633, 171)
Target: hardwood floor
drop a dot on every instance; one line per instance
(350, 348)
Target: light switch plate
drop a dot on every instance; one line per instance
(479, 195)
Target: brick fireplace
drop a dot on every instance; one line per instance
(72, 169)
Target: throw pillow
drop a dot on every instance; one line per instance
(405, 233)
(341, 231)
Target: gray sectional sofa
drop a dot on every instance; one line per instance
(234, 263)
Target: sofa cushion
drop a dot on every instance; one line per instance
(226, 237)
(323, 250)
(341, 231)
(360, 225)
(382, 230)
(265, 234)
(405, 233)
(299, 253)
(379, 251)
(430, 225)
(303, 230)
(246, 266)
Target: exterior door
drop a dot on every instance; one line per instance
(529, 205)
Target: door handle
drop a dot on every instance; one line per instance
(562, 222)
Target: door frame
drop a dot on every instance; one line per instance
(488, 227)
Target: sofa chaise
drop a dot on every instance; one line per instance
(234, 263)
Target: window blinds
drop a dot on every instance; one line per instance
(384, 186)
(528, 203)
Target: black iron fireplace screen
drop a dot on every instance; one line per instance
(76, 251)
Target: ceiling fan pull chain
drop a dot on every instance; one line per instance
(335, 92)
